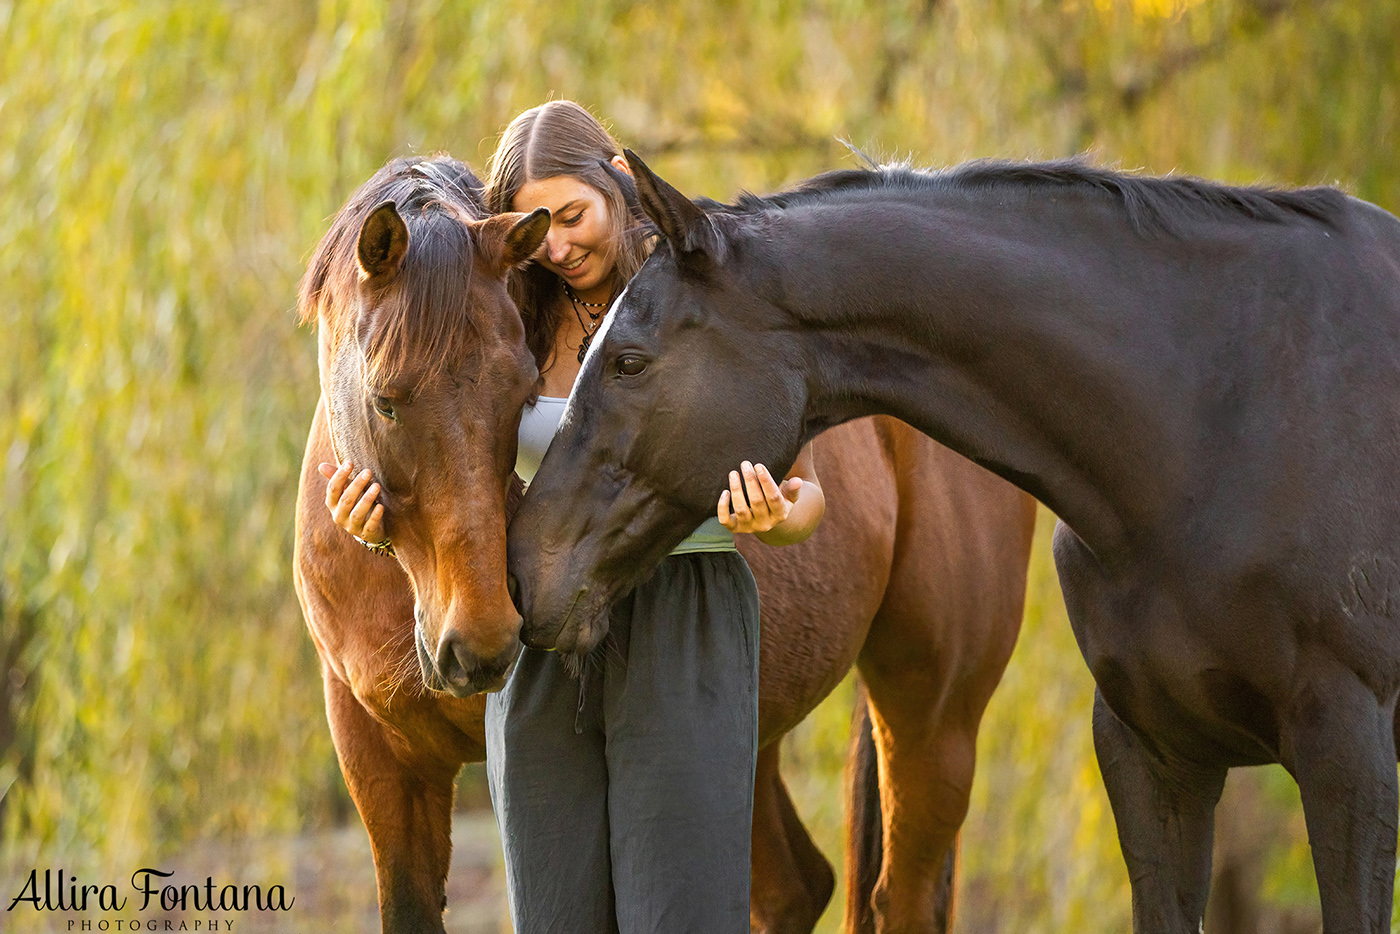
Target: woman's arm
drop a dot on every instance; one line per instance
(777, 514)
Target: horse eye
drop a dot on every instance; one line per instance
(630, 365)
(382, 406)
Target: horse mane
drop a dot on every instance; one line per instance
(424, 315)
(1152, 203)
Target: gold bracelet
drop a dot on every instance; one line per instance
(385, 548)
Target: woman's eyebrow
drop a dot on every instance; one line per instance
(566, 206)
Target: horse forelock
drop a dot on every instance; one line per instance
(422, 319)
(1151, 202)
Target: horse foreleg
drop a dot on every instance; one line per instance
(1166, 816)
(1339, 744)
(406, 805)
(791, 879)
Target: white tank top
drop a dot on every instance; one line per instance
(540, 421)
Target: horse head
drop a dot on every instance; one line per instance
(424, 369)
(652, 429)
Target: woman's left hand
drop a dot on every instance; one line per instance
(754, 502)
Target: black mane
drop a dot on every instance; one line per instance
(1150, 201)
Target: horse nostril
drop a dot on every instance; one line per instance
(452, 662)
(513, 588)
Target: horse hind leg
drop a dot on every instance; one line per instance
(865, 834)
(926, 743)
(791, 880)
(406, 809)
(1339, 743)
(1165, 815)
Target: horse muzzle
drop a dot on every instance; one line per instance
(576, 628)
(453, 668)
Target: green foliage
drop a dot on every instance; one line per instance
(150, 438)
(166, 167)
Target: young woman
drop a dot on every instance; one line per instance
(624, 795)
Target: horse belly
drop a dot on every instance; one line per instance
(1195, 681)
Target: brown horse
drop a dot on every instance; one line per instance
(917, 574)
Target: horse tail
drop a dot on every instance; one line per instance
(865, 843)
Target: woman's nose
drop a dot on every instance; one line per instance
(558, 245)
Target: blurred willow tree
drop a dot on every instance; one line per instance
(165, 167)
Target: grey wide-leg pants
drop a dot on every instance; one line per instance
(625, 799)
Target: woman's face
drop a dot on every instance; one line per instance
(577, 248)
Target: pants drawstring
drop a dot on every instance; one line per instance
(578, 713)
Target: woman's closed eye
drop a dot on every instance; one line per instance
(572, 219)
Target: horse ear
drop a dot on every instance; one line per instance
(383, 242)
(685, 226)
(625, 184)
(507, 240)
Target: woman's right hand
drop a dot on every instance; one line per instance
(352, 502)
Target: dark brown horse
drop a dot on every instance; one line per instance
(1202, 382)
(917, 574)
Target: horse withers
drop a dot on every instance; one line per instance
(1202, 382)
(917, 575)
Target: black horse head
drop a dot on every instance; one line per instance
(622, 482)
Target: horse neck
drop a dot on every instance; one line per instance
(1012, 333)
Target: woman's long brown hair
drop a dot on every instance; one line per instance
(561, 138)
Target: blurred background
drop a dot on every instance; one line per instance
(165, 170)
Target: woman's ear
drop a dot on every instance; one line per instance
(619, 162)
